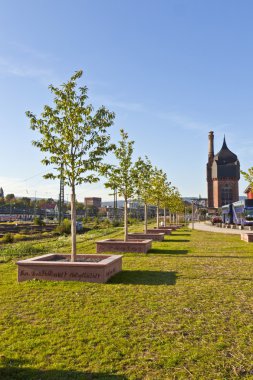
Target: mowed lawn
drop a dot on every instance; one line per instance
(182, 311)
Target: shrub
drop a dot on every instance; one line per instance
(64, 228)
(18, 237)
(107, 223)
(96, 223)
(8, 238)
(85, 220)
(38, 221)
(30, 249)
(132, 221)
(117, 223)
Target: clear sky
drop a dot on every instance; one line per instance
(171, 70)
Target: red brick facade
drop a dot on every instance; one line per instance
(219, 185)
(223, 174)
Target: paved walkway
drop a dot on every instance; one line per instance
(206, 227)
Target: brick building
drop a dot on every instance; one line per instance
(92, 202)
(223, 174)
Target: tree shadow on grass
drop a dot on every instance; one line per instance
(19, 373)
(144, 277)
(184, 234)
(165, 251)
(16, 369)
(176, 241)
(218, 257)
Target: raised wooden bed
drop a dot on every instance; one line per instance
(166, 231)
(142, 235)
(248, 237)
(113, 245)
(58, 267)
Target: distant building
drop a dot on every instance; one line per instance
(249, 192)
(113, 213)
(93, 202)
(223, 174)
(49, 210)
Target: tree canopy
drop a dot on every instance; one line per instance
(122, 176)
(248, 176)
(143, 172)
(74, 139)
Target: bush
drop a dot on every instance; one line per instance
(8, 238)
(96, 223)
(132, 221)
(64, 228)
(87, 219)
(18, 237)
(117, 223)
(38, 221)
(106, 223)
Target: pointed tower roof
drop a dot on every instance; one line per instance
(225, 156)
(224, 145)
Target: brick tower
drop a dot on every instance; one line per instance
(223, 174)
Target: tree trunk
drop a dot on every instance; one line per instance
(164, 216)
(145, 217)
(125, 221)
(157, 216)
(73, 225)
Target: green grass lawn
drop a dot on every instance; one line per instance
(182, 311)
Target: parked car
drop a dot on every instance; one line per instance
(216, 219)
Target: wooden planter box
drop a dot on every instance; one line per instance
(166, 231)
(58, 267)
(247, 237)
(142, 235)
(113, 245)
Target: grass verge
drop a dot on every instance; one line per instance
(182, 311)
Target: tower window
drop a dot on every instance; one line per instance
(226, 195)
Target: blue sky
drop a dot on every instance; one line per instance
(171, 70)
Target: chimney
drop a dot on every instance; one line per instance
(210, 146)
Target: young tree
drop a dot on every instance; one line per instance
(176, 204)
(74, 139)
(143, 172)
(166, 201)
(121, 177)
(159, 188)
